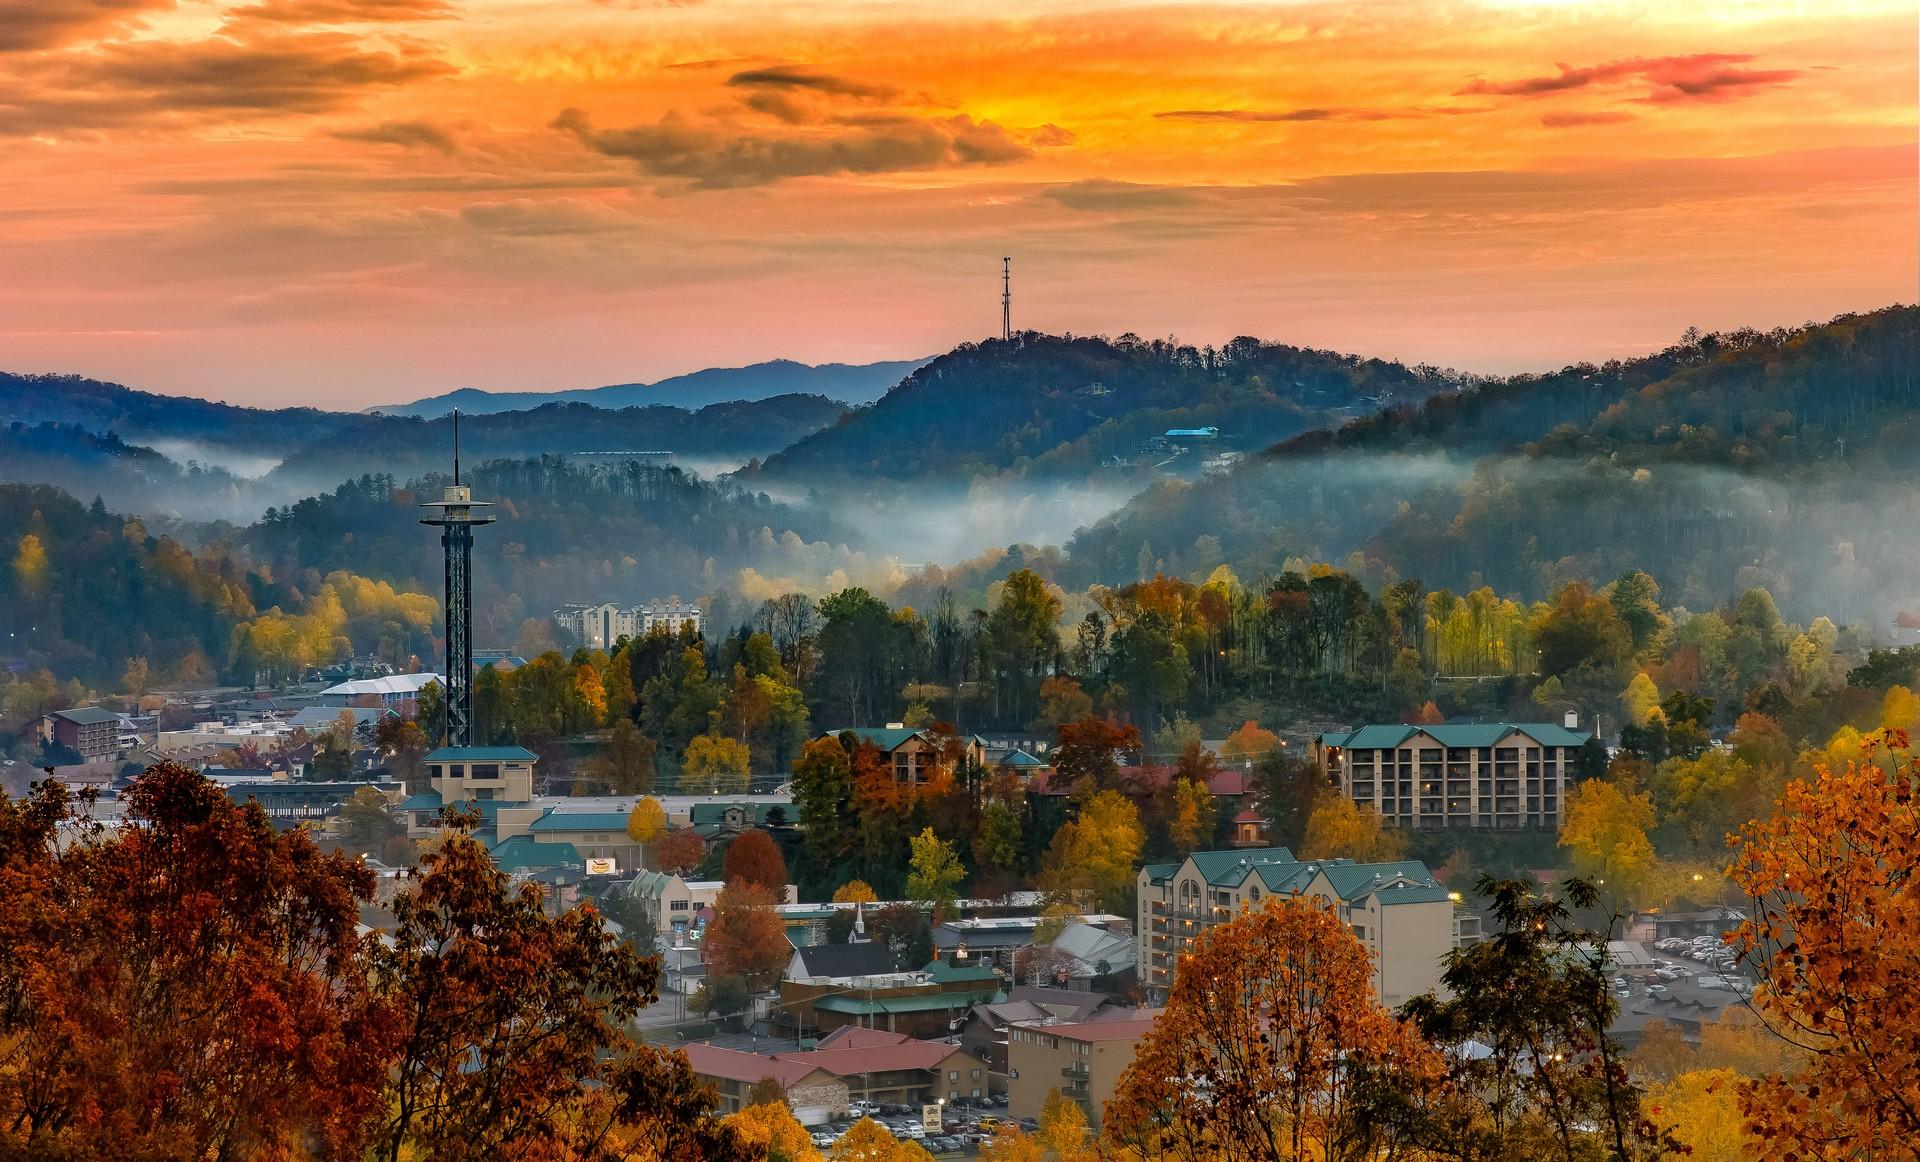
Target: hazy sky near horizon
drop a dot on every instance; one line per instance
(348, 202)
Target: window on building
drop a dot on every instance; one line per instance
(678, 906)
(975, 1077)
(485, 770)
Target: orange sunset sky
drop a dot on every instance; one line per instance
(348, 202)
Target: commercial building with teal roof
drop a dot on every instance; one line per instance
(1398, 910)
(1504, 776)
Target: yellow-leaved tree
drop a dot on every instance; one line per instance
(1095, 854)
(1340, 827)
(1605, 833)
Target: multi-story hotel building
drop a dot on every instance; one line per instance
(597, 627)
(1398, 910)
(1502, 776)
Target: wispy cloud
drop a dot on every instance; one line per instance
(1575, 119)
(408, 134)
(718, 156)
(1282, 115)
(1697, 76)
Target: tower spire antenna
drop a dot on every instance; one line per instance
(1006, 298)
(456, 446)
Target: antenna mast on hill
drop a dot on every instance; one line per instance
(1006, 298)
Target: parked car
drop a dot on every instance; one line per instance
(823, 1138)
(1658, 990)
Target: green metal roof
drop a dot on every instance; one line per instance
(1021, 758)
(883, 737)
(1452, 734)
(1229, 868)
(482, 754)
(580, 821)
(1160, 873)
(1353, 880)
(424, 801)
(923, 1004)
(945, 972)
(524, 853)
(1411, 895)
(87, 715)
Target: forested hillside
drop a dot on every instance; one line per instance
(402, 446)
(143, 417)
(566, 531)
(1781, 459)
(1060, 405)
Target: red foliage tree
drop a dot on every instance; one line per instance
(187, 985)
(754, 858)
(1085, 759)
(680, 851)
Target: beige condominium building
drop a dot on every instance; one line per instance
(1398, 910)
(1503, 776)
(1083, 1060)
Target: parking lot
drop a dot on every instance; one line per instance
(961, 1133)
(1702, 962)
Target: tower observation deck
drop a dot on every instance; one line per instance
(455, 514)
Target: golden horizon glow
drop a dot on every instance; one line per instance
(347, 202)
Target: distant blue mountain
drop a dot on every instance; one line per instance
(848, 383)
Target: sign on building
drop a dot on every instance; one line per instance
(602, 867)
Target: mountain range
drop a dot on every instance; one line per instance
(847, 382)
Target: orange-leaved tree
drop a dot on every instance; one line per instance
(1272, 1046)
(747, 937)
(1835, 934)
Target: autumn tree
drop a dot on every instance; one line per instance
(188, 985)
(1087, 758)
(1063, 1131)
(403, 745)
(1339, 827)
(1700, 1110)
(935, 873)
(754, 858)
(625, 763)
(679, 851)
(769, 1130)
(1249, 742)
(869, 1141)
(716, 764)
(1663, 1054)
(1605, 832)
(511, 1025)
(1061, 700)
(1095, 854)
(1192, 821)
(1271, 1046)
(365, 822)
(854, 892)
(1834, 931)
(647, 822)
(746, 937)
